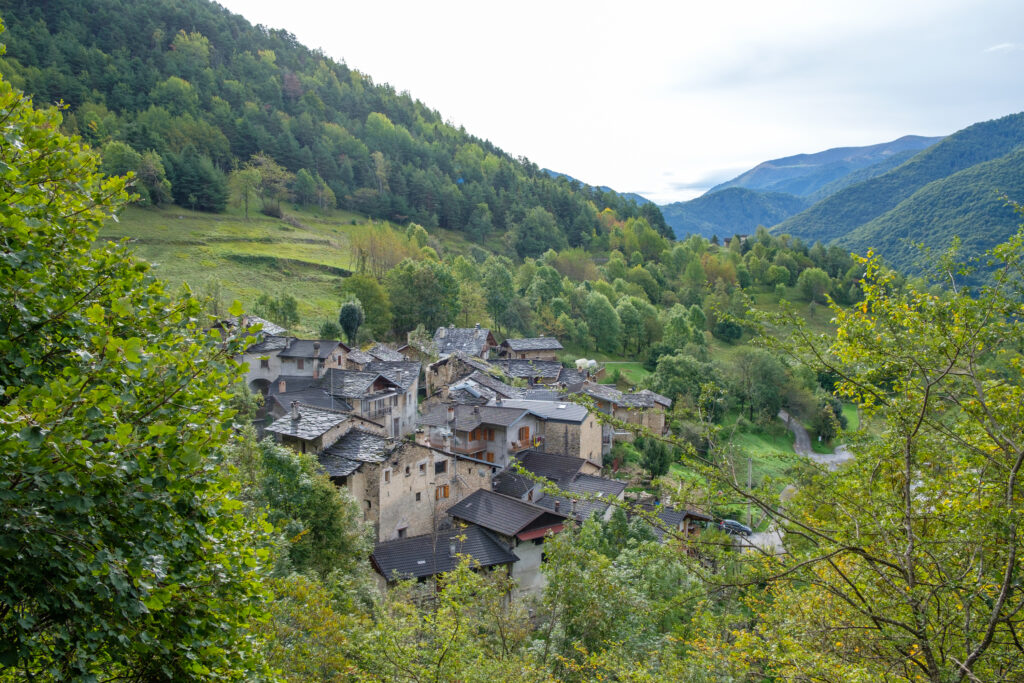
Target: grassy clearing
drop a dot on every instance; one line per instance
(632, 373)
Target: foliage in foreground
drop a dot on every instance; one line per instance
(122, 549)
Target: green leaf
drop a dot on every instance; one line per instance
(236, 308)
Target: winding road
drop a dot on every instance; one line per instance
(802, 445)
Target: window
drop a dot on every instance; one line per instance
(441, 492)
(265, 363)
(401, 533)
(407, 472)
(417, 496)
(423, 468)
(490, 456)
(524, 433)
(387, 476)
(441, 467)
(529, 496)
(300, 363)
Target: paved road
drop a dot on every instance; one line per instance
(802, 445)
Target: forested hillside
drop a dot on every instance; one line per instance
(184, 92)
(734, 210)
(970, 205)
(858, 204)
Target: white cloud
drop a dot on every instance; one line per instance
(1005, 47)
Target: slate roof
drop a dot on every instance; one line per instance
(559, 411)
(499, 513)
(496, 385)
(313, 422)
(554, 466)
(360, 357)
(386, 353)
(468, 417)
(640, 399)
(352, 450)
(597, 486)
(584, 508)
(269, 343)
(533, 344)
(469, 340)
(429, 554)
(267, 327)
(403, 373)
(511, 483)
(526, 368)
(350, 383)
(303, 348)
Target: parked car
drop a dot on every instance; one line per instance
(731, 526)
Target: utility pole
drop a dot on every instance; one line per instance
(750, 487)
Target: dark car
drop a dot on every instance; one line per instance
(731, 526)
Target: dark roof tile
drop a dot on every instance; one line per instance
(430, 554)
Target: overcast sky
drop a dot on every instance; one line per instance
(669, 98)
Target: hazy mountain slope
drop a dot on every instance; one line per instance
(735, 210)
(862, 174)
(968, 204)
(805, 174)
(853, 206)
(633, 196)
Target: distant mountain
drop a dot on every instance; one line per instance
(854, 206)
(805, 174)
(968, 204)
(734, 210)
(633, 196)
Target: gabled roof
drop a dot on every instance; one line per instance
(558, 411)
(526, 368)
(386, 353)
(533, 344)
(502, 514)
(511, 483)
(352, 384)
(352, 450)
(266, 327)
(640, 399)
(598, 486)
(430, 554)
(303, 348)
(470, 340)
(554, 466)
(468, 417)
(361, 357)
(269, 343)
(403, 373)
(313, 422)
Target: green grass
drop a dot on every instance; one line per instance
(229, 257)
(632, 373)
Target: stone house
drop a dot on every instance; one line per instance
(564, 427)
(641, 408)
(487, 434)
(310, 429)
(473, 341)
(444, 372)
(310, 357)
(531, 348)
(583, 492)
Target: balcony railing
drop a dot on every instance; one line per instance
(377, 412)
(521, 445)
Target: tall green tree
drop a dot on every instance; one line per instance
(375, 301)
(350, 317)
(422, 292)
(123, 554)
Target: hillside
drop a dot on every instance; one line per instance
(852, 207)
(805, 175)
(734, 210)
(969, 204)
(183, 91)
(633, 196)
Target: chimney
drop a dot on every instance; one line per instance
(446, 443)
(497, 401)
(316, 360)
(287, 343)
(295, 410)
(281, 387)
(451, 413)
(451, 548)
(558, 505)
(442, 332)
(573, 507)
(476, 410)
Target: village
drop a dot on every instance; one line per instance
(459, 446)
